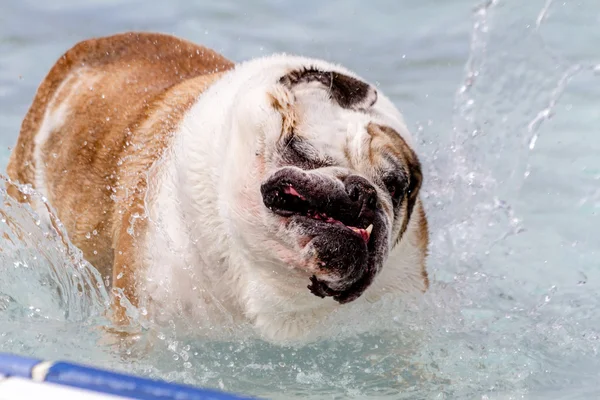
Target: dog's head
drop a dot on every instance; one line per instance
(328, 183)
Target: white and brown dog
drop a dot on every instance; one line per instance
(272, 191)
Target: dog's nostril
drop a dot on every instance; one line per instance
(371, 200)
(354, 193)
(361, 191)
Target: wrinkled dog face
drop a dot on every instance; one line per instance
(337, 182)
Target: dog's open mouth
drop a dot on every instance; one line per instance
(287, 201)
(346, 233)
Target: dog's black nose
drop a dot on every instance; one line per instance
(361, 191)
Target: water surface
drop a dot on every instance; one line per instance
(502, 97)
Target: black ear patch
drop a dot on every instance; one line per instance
(347, 91)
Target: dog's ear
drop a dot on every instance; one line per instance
(345, 90)
(411, 166)
(414, 186)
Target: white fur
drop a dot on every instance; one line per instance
(204, 257)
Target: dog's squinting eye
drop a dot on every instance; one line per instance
(295, 151)
(395, 187)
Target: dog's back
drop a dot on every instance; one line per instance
(90, 135)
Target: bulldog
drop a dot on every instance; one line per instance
(272, 192)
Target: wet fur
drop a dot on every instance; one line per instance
(152, 150)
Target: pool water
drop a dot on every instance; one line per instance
(502, 96)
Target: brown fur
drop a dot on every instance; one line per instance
(423, 243)
(126, 94)
(389, 139)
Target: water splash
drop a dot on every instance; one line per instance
(50, 297)
(500, 321)
(71, 289)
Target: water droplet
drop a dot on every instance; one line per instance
(532, 142)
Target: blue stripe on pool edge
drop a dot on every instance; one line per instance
(103, 381)
(83, 377)
(13, 365)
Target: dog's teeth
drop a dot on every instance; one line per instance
(369, 229)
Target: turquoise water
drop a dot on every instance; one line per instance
(502, 97)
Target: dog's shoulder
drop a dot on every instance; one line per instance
(100, 118)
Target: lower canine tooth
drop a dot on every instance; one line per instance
(369, 229)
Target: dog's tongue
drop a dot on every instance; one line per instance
(289, 189)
